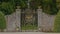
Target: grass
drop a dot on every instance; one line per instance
(29, 27)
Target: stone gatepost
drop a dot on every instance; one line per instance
(18, 18)
(39, 10)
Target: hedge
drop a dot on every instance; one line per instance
(57, 23)
(2, 21)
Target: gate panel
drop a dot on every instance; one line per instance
(29, 20)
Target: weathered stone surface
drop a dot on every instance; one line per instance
(45, 22)
(13, 20)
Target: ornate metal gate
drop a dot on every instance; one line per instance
(29, 20)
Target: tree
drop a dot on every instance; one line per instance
(35, 3)
(49, 7)
(7, 8)
(2, 21)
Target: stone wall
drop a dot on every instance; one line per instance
(13, 20)
(45, 22)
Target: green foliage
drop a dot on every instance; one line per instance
(21, 3)
(2, 21)
(4, 0)
(49, 7)
(35, 3)
(57, 23)
(7, 8)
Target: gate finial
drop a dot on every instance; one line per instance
(18, 7)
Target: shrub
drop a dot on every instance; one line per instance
(7, 8)
(57, 23)
(2, 21)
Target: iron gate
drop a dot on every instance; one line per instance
(29, 20)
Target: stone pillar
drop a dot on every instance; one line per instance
(18, 18)
(39, 10)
